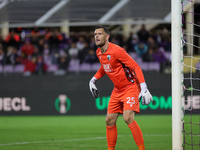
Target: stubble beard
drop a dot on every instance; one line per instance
(101, 44)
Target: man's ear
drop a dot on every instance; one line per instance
(107, 37)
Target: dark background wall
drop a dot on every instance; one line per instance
(38, 95)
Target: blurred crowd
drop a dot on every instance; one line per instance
(37, 49)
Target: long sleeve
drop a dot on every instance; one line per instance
(100, 73)
(127, 60)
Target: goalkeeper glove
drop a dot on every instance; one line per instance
(93, 87)
(145, 95)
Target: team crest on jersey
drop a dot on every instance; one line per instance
(108, 57)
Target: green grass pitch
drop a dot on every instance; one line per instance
(80, 133)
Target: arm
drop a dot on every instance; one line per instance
(100, 73)
(126, 59)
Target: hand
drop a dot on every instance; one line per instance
(93, 87)
(145, 95)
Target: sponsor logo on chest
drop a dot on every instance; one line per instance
(106, 63)
(107, 68)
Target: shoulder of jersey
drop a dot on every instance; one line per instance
(112, 46)
(116, 47)
(98, 51)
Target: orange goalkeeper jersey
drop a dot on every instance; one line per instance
(119, 66)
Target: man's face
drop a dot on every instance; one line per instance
(100, 37)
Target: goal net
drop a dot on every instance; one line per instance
(190, 72)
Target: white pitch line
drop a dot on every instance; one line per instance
(66, 140)
(70, 140)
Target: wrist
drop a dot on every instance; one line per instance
(143, 86)
(94, 79)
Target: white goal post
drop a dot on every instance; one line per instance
(177, 136)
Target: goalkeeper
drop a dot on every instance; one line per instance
(129, 87)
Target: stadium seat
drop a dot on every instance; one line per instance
(154, 66)
(8, 69)
(74, 66)
(198, 65)
(138, 60)
(133, 55)
(95, 66)
(19, 68)
(52, 68)
(168, 55)
(1, 68)
(144, 66)
(85, 67)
